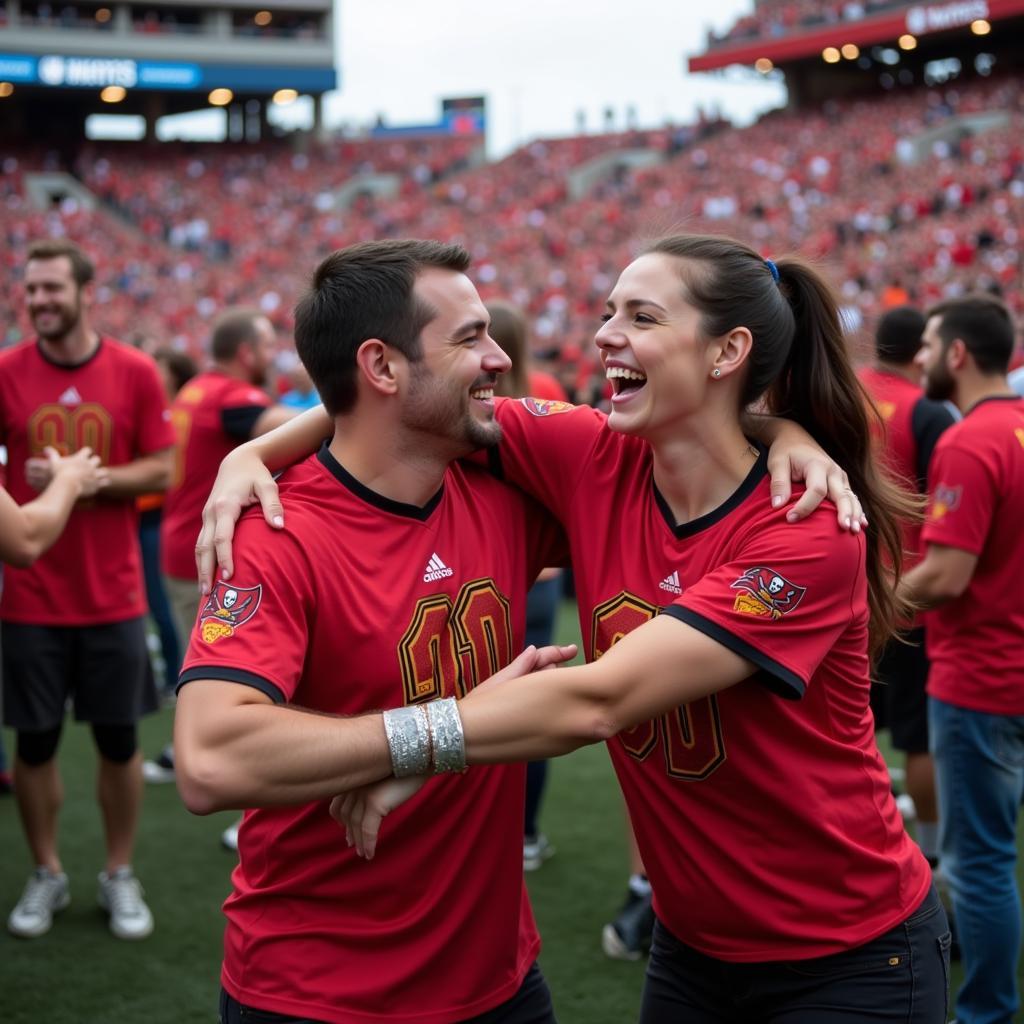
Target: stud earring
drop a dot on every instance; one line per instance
(716, 372)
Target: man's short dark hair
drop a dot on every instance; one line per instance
(232, 329)
(360, 292)
(898, 335)
(82, 269)
(985, 326)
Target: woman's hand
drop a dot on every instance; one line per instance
(242, 480)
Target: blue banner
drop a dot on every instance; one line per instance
(61, 72)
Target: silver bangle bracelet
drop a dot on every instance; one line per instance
(446, 736)
(408, 740)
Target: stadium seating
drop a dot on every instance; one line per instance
(183, 230)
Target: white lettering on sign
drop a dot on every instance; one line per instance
(943, 16)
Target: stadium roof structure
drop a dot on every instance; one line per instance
(58, 65)
(918, 21)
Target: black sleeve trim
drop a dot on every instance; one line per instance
(239, 421)
(232, 675)
(927, 422)
(780, 680)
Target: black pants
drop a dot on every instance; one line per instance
(530, 1005)
(902, 976)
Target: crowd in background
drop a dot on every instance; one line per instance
(184, 230)
(773, 18)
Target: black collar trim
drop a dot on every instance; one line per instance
(753, 478)
(69, 366)
(992, 398)
(360, 490)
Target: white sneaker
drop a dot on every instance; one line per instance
(229, 837)
(160, 769)
(905, 803)
(535, 851)
(120, 895)
(45, 893)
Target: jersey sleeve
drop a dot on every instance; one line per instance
(928, 422)
(783, 597)
(546, 447)
(255, 629)
(154, 431)
(239, 421)
(963, 498)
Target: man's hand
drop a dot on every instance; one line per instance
(362, 810)
(795, 456)
(533, 659)
(83, 468)
(38, 472)
(242, 480)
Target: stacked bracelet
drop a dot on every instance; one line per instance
(425, 737)
(408, 736)
(446, 735)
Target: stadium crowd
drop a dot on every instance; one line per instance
(772, 19)
(185, 231)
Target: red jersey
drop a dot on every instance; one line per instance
(363, 603)
(114, 403)
(912, 424)
(976, 503)
(212, 414)
(541, 384)
(766, 823)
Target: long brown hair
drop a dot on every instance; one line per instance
(511, 331)
(799, 366)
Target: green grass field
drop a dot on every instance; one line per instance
(80, 974)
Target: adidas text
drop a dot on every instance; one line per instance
(436, 570)
(671, 584)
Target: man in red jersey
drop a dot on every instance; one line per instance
(910, 426)
(73, 622)
(212, 413)
(399, 577)
(973, 563)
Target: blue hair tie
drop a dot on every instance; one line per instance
(770, 264)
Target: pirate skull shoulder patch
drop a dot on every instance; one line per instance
(227, 609)
(763, 591)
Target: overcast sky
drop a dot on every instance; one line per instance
(538, 62)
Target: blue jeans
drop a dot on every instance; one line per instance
(156, 596)
(979, 770)
(901, 977)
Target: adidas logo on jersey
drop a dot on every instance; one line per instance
(671, 584)
(436, 570)
(70, 397)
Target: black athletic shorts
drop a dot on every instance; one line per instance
(898, 693)
(105, 670)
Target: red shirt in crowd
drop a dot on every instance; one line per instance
(212, 414)
(977, 499)
(911, 426)
(114, 403)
